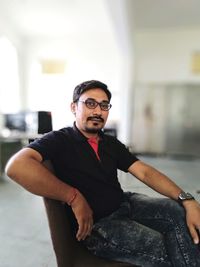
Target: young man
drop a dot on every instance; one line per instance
(119, 225)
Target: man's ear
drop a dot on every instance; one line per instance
(73, 108)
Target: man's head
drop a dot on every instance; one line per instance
(85, 86)
(91, 104)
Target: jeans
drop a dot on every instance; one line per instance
(145, 231)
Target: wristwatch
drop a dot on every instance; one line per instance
(184, 196)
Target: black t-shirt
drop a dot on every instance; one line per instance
(76, 163)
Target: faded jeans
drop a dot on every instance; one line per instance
(149, 232)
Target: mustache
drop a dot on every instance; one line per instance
(93, 118)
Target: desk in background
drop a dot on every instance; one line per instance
(11, 144)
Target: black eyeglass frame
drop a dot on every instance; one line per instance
(96, 103)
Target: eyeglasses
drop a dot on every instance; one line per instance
(92, 104)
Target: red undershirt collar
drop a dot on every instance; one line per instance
(94, 142)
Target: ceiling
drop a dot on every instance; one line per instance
(63, 18)
(53, 18)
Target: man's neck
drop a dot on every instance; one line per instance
(90, 135)
(87, 134)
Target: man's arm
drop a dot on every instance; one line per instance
(165, 186)
(26, 168)
(155, 179)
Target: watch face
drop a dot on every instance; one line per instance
(185, 196)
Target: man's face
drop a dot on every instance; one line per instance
(90, 120)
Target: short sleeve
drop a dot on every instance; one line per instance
(125, 157)
(49, 145)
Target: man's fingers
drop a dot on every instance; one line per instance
(81, 235)
(84, 230)
(80, 232)
(84, 216)
(195, 234)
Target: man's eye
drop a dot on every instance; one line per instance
(104, 105)
(91, 103)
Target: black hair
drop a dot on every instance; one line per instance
(85, 86)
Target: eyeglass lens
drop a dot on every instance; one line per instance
(91, 103)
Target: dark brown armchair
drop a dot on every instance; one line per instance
(69, 252)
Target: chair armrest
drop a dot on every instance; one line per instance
(60, 232)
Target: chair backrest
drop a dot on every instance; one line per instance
(69, 252)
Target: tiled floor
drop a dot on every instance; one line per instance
(24, 236)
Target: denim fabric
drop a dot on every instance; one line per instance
(149, 232)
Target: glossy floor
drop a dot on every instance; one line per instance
(24, 235)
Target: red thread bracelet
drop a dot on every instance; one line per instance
(73, 197)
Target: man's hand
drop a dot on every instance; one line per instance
(84, 216)
(192, 208)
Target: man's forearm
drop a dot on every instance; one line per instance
(32, 175)
(162, 184)
(155, 179)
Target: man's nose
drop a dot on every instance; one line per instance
(97, 110)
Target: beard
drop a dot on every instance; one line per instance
(97, 124)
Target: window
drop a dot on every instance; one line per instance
(9, 79)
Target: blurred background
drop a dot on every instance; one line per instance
(147, 52)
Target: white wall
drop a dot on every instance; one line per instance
(165, 55)
(8, 32)
(86, 58)
(95, 53)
